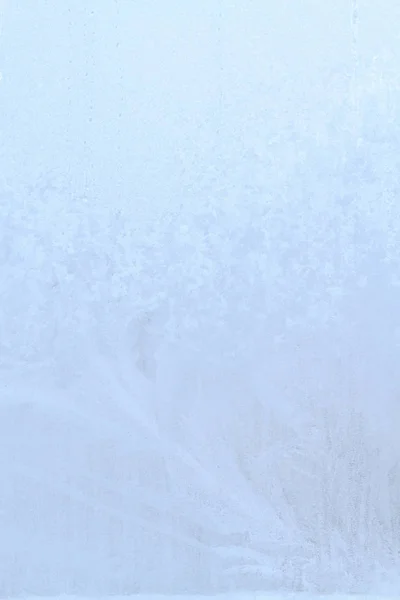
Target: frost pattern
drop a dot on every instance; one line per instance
(199, 324)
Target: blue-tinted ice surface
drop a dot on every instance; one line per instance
(199, 297)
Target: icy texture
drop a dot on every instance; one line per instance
(199, 296)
